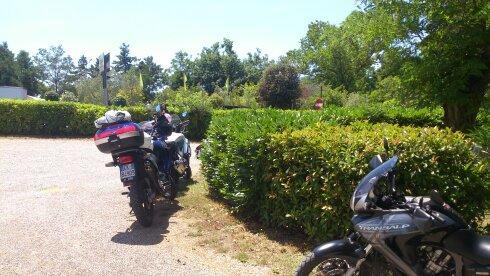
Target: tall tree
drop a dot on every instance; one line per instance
(124, 60)
(82, 70)
(27, 73)
(254, 65)
(233, 70)
(449, 46)
(55, 67)
(8, 69)
(181, 65)
(209, 71)
(94, 69)
(152, 76)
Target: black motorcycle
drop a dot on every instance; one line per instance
(131, 148)
(400, 235)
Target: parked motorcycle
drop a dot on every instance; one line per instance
(400, 235)
(131, 149)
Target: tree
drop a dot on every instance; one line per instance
(68, 97)
(181, 64)
(209, 73)
(279, 86)
(90, 90)
(345, 55)
(124, 61)
(8, 70)
(55, 67)
(51, 96)
(82, 70)
(152, 76)
(233, 70)
(254, 66)
(27, 73)
(449, 52)
(217, 66)
(94, 69)
(129, 87)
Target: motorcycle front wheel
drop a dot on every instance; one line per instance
(141, 205)
(331, 265)
(334, 264)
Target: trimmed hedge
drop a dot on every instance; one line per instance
(20, 117)
(304, 179)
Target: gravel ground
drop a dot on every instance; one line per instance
(62, 212)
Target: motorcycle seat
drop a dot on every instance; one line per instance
(470, 245)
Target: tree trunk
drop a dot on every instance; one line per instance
(461, 115)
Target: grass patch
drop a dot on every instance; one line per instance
(214, 227)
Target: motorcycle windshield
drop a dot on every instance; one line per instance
(358, 200)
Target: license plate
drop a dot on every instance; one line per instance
(128, 172)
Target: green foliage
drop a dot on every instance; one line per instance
(195, 102)
(89, 90)
(279, 86)
(27, 73)
(119, 101)
(245, 95)
(51, 96)
(152, 77)
(55, 67)
(216, 67)
(448, 58)
(313, 173)
(389, 89)
(55, 118)
(68, 96)
(128, 86)
(124, 60)
(481, 135)
(8, 72)
(304, 179)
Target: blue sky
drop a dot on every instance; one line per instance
(161, 28)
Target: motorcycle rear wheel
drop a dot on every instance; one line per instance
(141, 206)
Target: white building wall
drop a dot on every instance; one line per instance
(12, 92)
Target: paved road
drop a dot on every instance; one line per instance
(62, 212)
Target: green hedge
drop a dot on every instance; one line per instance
(19, 117)
(303, 179)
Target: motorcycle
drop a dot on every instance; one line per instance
(400, 235)
(131, 149)
(178, 145)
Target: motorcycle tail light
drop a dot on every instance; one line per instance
(125, 159)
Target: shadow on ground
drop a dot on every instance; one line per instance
(139, 235)
(283, 236)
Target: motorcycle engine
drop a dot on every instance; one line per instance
(436, 261)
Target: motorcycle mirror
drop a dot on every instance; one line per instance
(436, 197)
(375, 162)
(386, 145)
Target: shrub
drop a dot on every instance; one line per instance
(51, 96)
(194, 101)
(481, 135)
(311, 174)
(119, 101)
(303, 179)
(279, 86)
(68, 97)
(55, 118)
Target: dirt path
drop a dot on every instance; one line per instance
(62, 212)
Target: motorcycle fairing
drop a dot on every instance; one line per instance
(366, 185)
